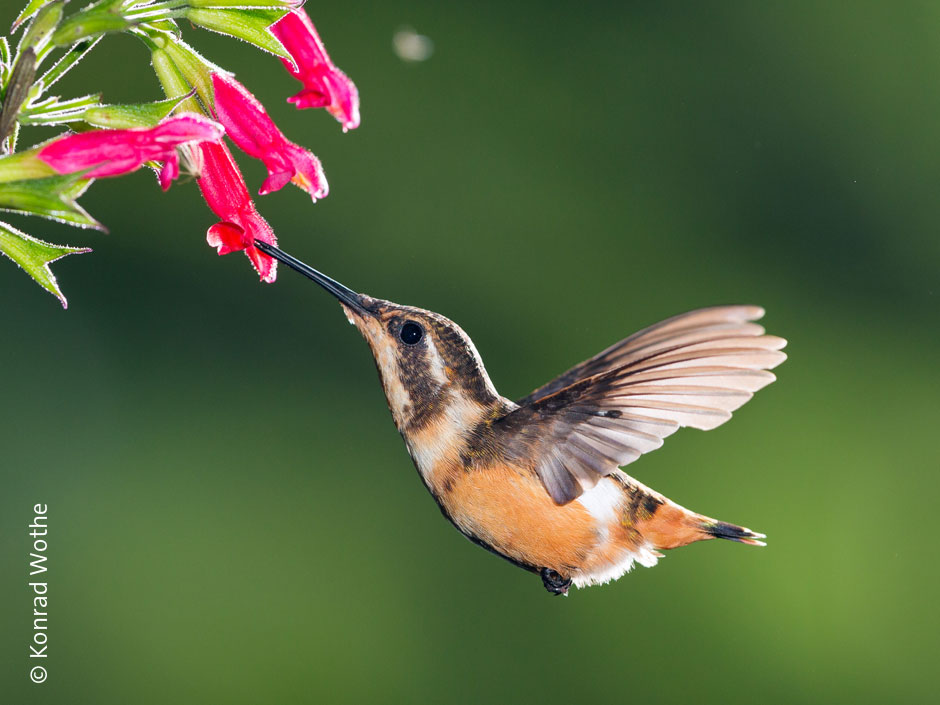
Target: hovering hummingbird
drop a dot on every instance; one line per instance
(537, 481)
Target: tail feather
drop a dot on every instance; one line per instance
(668, 525)
(724, 530)
(663, 524)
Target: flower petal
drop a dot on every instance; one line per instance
(224, 189)
(324, 84)
(246, 121)
(170, 171)
(221, 182)
(308, 173)
(310, 98)
(227, 237)
(186, 127)
(264, 265)
(275, 182)
(249, 126)
(116, 152)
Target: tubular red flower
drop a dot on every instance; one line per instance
(224, 189)
(116, 152)
(325, 86)
(248, 125)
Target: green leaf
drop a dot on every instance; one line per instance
(52, 197)
(31, 9)
(24, 165)
(34, 256)
(248, 25)
(132, 114)
(6, 60)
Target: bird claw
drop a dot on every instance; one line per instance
(554, 582)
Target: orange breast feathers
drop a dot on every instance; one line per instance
(509, 509)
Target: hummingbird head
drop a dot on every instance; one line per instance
(427, 364)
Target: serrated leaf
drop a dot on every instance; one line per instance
(248, 25)
(52, 198)
(35, 256)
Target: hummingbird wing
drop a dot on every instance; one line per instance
(700, 324)
(689, 370)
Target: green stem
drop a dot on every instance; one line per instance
(17, 89)
(55, 107)
(75, 54)
(53, 118)
(14, 136)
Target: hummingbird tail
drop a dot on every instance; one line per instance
(665, 524)
(723, 530)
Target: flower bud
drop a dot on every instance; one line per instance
(172, 81)
(43, 26)
(194, 68)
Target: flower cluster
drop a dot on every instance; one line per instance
(102, 153)
(204, 103)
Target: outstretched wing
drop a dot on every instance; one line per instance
(690, 370)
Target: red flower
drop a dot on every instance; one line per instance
(224, 189)
(248, 125)
(115, 152)
(324, 84)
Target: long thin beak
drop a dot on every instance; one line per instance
(343, 293)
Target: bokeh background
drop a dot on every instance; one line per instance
(234, 517)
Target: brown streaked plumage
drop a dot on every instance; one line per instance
(538, 481)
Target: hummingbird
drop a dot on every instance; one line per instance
(537, 481)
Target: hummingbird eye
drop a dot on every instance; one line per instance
(411, 333)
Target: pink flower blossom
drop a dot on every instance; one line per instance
(248, 125)
(115, 152)
(224, 189)
(324, 84)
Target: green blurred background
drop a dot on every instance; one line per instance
(234, 517)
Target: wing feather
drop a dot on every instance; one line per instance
(695, 326)
(690, 370)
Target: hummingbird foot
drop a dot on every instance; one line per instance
(554, 582)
